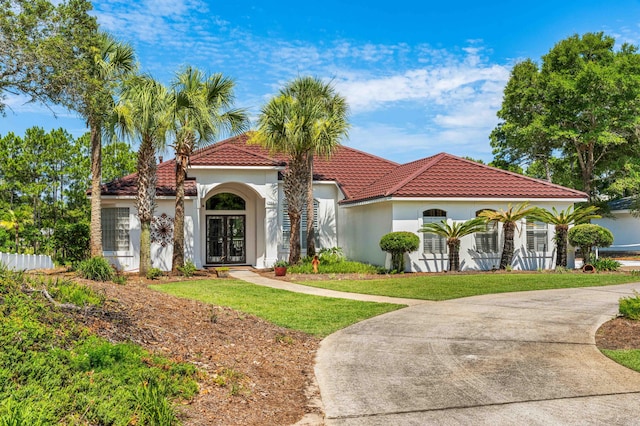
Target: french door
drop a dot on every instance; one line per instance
(226, 239)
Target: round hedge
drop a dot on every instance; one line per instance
(398, 243)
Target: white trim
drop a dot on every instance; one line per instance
(238, 167)
(457, 199)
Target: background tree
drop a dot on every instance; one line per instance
(202, 111)
(509, 219)
(587, 236)
(453, 232)
(582, 103)
(306, 118)
(397, 244)
(561, 221)
(143, 114)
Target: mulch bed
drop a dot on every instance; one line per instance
(619, 333)
(275, 364)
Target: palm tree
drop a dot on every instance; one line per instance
(562, 220)
(201, 112)
(509, 219)
(113, 61)
(453, 232)
(306, 118)
(143, 114)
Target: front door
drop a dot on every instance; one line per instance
(226, 239)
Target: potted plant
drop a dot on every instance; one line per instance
(222, 272)
(280, 268)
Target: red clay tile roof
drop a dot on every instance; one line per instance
(447, 176)
(363, 176)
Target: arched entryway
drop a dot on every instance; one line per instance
(226, 229)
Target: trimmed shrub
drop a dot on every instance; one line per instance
(630, 307)
(587, 236)
(96, 269)
(399, 243)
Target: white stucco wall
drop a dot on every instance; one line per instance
(625, 229)
(365, 225)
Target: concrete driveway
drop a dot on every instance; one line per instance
(524, 358)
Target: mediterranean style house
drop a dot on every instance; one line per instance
(235, 210)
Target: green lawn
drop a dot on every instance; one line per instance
(452, 286)
(630, 358)
(319, 316)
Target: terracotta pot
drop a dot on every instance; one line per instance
(588, 268)
(280, 271)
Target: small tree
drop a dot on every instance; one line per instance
(453, 232)
(587, 236)
(399, 243)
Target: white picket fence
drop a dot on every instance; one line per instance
(23, 262)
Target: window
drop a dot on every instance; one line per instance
(433, 243)
(286, 225)
(537, 236)
(487, 240)
(115, 229)
(225, 201)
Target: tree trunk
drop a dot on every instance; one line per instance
(178, 224)
(507, 248)
(454, 254)
(561, 245)
(294, 238)
(295, 191)
(145, 201)
(96, 175)
(311, 237)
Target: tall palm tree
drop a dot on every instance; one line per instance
(562, 220)
(202, 111)
(143, 114)
(509, 219)
(453, 232)
(306, 118)
(112, 62)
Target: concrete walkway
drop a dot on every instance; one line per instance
(258, 279)
(524, 358)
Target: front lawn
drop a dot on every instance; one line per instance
(630, 358)
(319, 316)
(452, 286)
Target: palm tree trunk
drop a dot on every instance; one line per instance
(145, 201)
(561, 245)
(454, 254)
(96, 176)
(178, 225)
(507, 248)
(311, 238)
(295, 190)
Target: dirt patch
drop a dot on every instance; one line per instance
(270, 369)
(619, 333)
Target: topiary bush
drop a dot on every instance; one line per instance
(398, 243)
(97, 269)
(587, 236)
(630, 306)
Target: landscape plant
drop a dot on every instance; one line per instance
(397, 244)
(606, 264)
(188, 269)
(587, 236)
(96, 269)
(453, 231)
(629, 307)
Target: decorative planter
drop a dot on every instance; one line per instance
(588, 269)
(222, 273)
(280, 271)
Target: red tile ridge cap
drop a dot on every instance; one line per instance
(432, 161)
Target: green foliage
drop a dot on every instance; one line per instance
(630, 358)
(71, 241)
(52, 371)
(96, 269)
(398, 243)
(331, 255)
(281, 264)
(152, 403)
(188, 269)
(572, 119)
(629, 307)
(606, 264)
(586, 236)
(66, 291)
(337, 267)
(154, 273)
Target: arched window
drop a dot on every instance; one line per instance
(431, 242)
(286, 225)
(487, 240)
(226, 201)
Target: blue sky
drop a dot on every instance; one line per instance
(421, 78)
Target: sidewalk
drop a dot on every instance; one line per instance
(257, 279)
